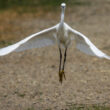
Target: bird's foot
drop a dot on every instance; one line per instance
(61, 75)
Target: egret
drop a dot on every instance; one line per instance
(62, 35)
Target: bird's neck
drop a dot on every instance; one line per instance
(62, 16)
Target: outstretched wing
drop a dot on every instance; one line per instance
(37, 40)
(86, 46)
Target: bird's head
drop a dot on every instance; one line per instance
(63, 5)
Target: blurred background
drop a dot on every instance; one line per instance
(29, 79)
(34, 4)
(17, 16)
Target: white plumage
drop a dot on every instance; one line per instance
(49, 37)
(58, 34)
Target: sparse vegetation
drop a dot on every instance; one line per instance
(30, 5)
(5, 43)
(31, 108)
(89, 107)
(83, 107)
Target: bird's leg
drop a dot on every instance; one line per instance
(60, 72)
(63, 73)
(60, 59)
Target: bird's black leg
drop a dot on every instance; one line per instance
(60, 73)
(64, 62)
(60, 59)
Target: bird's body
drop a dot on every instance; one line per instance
(63, 35)
(60, 34)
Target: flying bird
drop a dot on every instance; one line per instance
(62, 35)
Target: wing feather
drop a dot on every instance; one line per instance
(37, 40)
(86, 46)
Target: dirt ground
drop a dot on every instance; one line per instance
(29, 79)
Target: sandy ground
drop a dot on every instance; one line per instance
(29, 80)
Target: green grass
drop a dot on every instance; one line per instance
(5, 43)
(30, 5)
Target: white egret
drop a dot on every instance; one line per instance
(61, 34)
